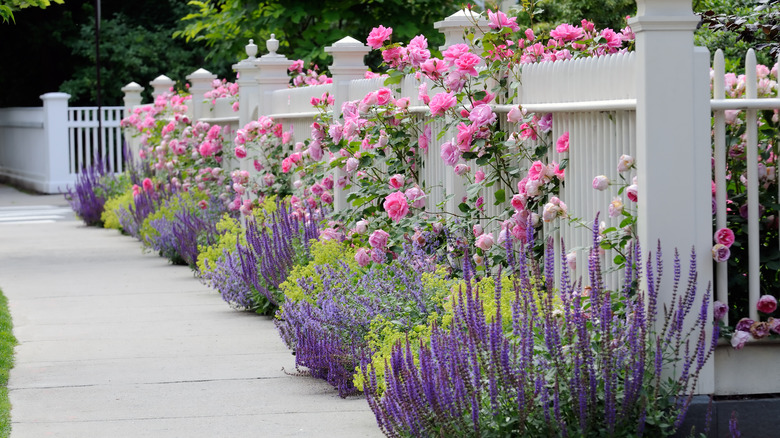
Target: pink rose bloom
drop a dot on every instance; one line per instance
(724, 236)
(485, 241)
(422, 93)
(550, 212)
(499, 20)
(631, 192)
(361, 226)
(545, 123)
(739, 338)
(327, 198)
(351, 164)
(383, 96)
(317, 189)
(537, 171)
(454, 52)
(402, 103)
(396, 181)
(719, 310)
(477, 230)
(566, 32)
(571, 260)
(612, 38)
(562, 145)
(240, 152)
(147, 185)
(514, 115)
(441, 102)
(720, 252)
(378, 255)
(378, 36)
(462, 169)
(616, 208)
(269, 179)
(601, 183)
(766, 304)
(395, 56)
(774, 325)
(759, 330)
(416, 196)
(396, 206)
(482, 115)
(527, 131)
(327, 182)
(625, 162)
(744, 324)
(479, 176)
(467, 62)
(434, 68)
(450, 154)
(465, 136)
(378, 239)
(518, 202)
(529, 34)
(362, 257)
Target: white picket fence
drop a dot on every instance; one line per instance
(44, 149)
(653, 104)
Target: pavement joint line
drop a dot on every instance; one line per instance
(112, 359)
(264, 413)
(172, 382)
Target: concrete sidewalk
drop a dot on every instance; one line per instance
(117, 343)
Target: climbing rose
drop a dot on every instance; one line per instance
(719, 310)
(441, 102)
(724, 236)
(396, 206)
(378, 239)
(767, 304)
(562, 145)
(720, 252)
(485, 241)
(600, 182)
(378, 36)
(362, 257)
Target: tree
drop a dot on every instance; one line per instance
(7, 7)
(306, 27)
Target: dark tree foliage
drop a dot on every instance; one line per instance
(306, 27)
(759, 28)
(53, 50)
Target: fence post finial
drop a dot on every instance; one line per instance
(247, 72)
(161, 84)
(271, 75)
(132, 96)
(454, 26)
(200, 84)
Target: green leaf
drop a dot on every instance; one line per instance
(563, 164)
(500, 197)
(463, 207)
(619, 259)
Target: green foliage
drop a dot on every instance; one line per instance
(325, 252)
(111, 208)
(7, 343)
(604, 13)
(230, 231)
(7, 7)
(735, 26)
(304, 28)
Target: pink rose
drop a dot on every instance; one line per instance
(720, 252)
(378, 36)
(378, 255)
(744, 324)
(467, 62)
(616, 208)
(396, 206)
(759, 330)
(462, 169)
(518, 202)
(482, 115)
(397, 181)
(514, 115)
(450, 154)
(499, 20)
(774, 325)
(562, 145)
(739, 338)
(485, 241)
(724, 236)
(719, 310)
(326, 197)
(422, 94)
(625, 162)
(600, 183)
(551, 211)
(383, 96)
(352, 164)
(361, 226)
(479, 176)
(378, 239)
(317, 189)
(147, 184)
(631, 192)
(571, 260)
(362, 257)
(441, 102)
(269, 179)
(240, 152)
(537, 171)
(766, 304)
(434, 68)
(416, 196)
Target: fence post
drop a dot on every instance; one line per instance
(247, 72)
(673, 146)
(200, 84)
(454, 29)
(271, 76)
(55, 127)
(161, 84)
(132, 99)
(347, 66)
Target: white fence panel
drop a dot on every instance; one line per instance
(83, 128)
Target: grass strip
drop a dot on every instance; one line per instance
(7, 343)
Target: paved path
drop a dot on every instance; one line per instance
(117, 343)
